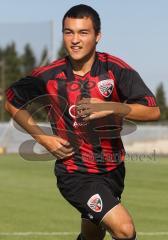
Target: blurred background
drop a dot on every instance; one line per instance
(137, 32)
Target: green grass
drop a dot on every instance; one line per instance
(31, 202)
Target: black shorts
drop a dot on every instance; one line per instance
(93, 194)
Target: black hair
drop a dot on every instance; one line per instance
(81, 11)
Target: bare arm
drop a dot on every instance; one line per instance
(95, 108)
(54, 144)
(140, 112)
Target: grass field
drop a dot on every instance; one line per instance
(30, 201)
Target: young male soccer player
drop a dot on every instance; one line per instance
(90, 161)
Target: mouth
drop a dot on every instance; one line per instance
(76, 48)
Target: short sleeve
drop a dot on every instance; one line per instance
(132, 89)
(21, 92)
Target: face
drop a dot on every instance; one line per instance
(80, 38)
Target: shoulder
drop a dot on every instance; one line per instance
(108, 58)
(49, 70)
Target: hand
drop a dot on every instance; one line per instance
(93, 108)
(58, 147)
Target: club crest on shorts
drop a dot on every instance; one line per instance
(106, 87)
(95, 203)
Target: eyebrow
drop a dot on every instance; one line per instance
(69, 29)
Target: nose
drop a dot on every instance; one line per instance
(75, 39)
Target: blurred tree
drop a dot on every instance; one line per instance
(2, 87)
(1, 54)
(17, 66)
(28, 60)
(61, 51)
(9, 72)
(1, 70)
(44, 60)
(161, 101)
(12, 64)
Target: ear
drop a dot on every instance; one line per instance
(98, 37)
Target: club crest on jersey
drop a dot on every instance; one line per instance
(106, 87)
(95, 203)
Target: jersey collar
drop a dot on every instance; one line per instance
(93, 72)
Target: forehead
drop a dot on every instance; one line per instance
(78, 23)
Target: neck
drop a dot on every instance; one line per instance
(83, 66)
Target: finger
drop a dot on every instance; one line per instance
(69, 155)
(84, 113)
(66, 150)
(83, 101)
(64, 156)
(61, 154)
(57, 154)
(82, 106)
(64, 142)
(93, 106)
(93, 116)
(63, 149)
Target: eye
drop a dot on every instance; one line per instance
(84, 32)
(67, 32)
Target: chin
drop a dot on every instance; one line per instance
(77, 58)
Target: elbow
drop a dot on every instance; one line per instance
(9, 108)
(155, 114)
(6, 106)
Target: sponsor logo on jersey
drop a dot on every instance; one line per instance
(78, 121)
(106, 87)
(95, 203)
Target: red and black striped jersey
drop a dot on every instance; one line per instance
(98, 145)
